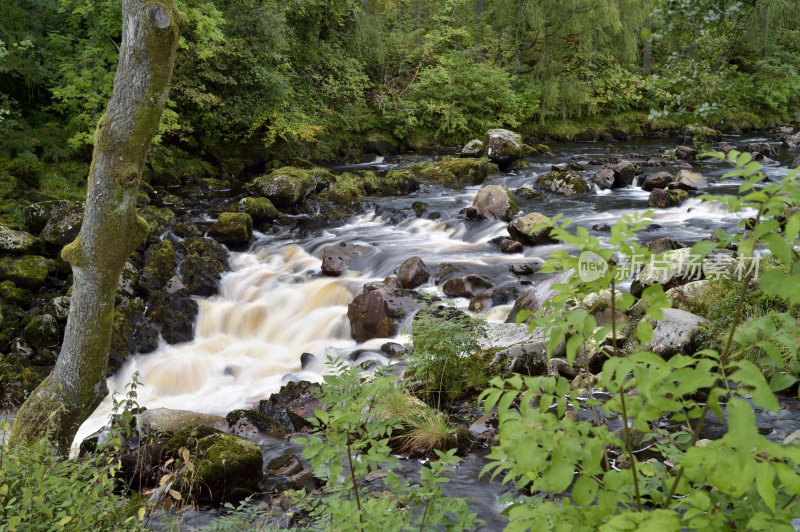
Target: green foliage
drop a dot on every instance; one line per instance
(40, 490)
(579, 476)
(445, 341)
(356, 443)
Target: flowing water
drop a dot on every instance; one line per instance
(275, 305)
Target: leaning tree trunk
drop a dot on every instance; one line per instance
(111, 228)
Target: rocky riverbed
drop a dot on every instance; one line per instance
(245, 285)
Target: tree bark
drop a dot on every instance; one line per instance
(111, 228)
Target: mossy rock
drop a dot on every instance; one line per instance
(564, 182)
(234, 229)
(29, 271)
(160, 261)
(495, 202)
(215, 185)
(36, 215)
(394, 183)
(288, 186)
(259, 209)
(239, 419)
(126, 316)
(521, 230)
(380, 144)
(26, 173)
(42, 331)
(12, 294)
(157, 218)
(202, 265)
(452, 172)
(64, 225)
(18, 242)
(225, 467)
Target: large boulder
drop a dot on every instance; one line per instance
(503, 146)
(292, 402)
(685, 153)
(380, 145)
(661, 199)
(413, 273)
(535, 298)
(160, 261)
(657, 180)
(676, 333)
(336, 259)
(173, 314)
(126, 316)
(565, 182)
(17, 242)
(456, 173)
(64, 225)
(521, 230)
(495, 202)
(288, 186)
(234, 229)
(27, 271)
(37, 214)
(468, 285)
(250, 424)
(171, 420)
(673, 268)
(687, 180)
(380, 313)
(472, 148)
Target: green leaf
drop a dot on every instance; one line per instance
(765, 475)
(781, 381)
(585, 490)
(779, 247)
(644, 332)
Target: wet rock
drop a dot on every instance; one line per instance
(527, 358)
(495, 202)
(160, 261)
(503, 146)
(566, 183)
(380, 313)
(300, 394)
(251, 423)
(511, 246)
(700, 132)
(145, 337)
(289, 186)
(336, 259)
(259, 209)
(306, 360)
(664, 244)
(657, 180)
(521, 269)
(674, 268)
(171, 420)
(42, 331)
(526, 193)
(234, 229)
(686, 180)
(468, 285)
(394, 350)
(17, 242)
(413, 273)
(306, 480)
(126, 315)
(287, 465)
(601, 228)
(187, 230)
(624, 171)
(685, 153)
(493, 297)
(767, 150)
(419, 207)
(676, 333)
(173, 315)
(446, 271)
(203, 261)
(792, 142)
(157, 218)
(662, 199)
(795, 163)
(521, 230)
(604, 178)
(535, 298)
(472, 148)
(28, 271)
(128, 281)
(656, 160)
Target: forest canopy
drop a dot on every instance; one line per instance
(320, 76)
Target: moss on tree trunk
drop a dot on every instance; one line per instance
(111, 229)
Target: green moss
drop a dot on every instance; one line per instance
(566, 182)
(259, 209)
(29, 271)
